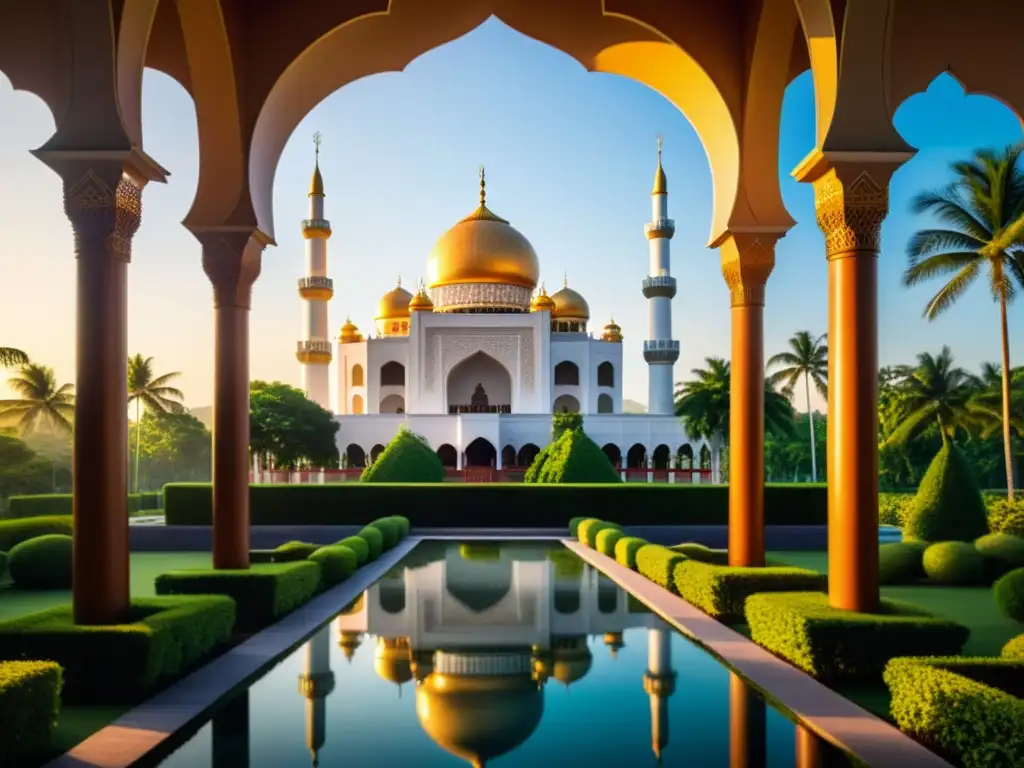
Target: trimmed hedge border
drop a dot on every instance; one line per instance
(515, 505)
(658, 564)
(29, 705)
(13, 532)
(831, 645)
(966, 709)
(161, 638)
(262, 594)
(63, 504)
(721, 591)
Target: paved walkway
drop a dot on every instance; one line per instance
(820, 709)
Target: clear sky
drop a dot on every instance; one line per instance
(570, 158)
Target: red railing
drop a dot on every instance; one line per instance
(478, 475)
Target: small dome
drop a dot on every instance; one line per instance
(349, 642)
(392, 660)
(350, 333)
(612, 332)
(394, 304)
(542, 302)
(614, 642)
(572, 663)
(421, 302)
(570, 305)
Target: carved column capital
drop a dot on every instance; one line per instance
(104, 205)
(747, 260)
(232, 259)
(851, 202)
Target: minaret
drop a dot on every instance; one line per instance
(660, 350)
(315, 683)
(659, 684)
(316, 289)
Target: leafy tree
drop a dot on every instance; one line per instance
(982, 211)
(288, 430)
(22, 470)
(175, 447)
(9, 357)
(153, 392)
(41, 402)
(933, 392)
(806, 359)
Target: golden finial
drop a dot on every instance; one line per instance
(316, 186)
(565, 279)
(483, 186)
(399, 279)
(660, 182)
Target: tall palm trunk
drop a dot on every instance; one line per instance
(1007, 435)
(138, 441)
(810, 420)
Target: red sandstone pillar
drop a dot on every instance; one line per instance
(232, 262)
(747, 262)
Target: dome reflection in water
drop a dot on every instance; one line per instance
(504, 655)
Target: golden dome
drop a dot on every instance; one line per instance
(350, 333)
(569, 305)
(542, 302)
(614, 642)
(612, 332)
(483, 248)
(479, 718)
(392, 660)
(660, 182)
(349, 642)
(421, 302)
(571, 663)
(394, 304)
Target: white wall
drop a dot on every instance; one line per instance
(348, 356)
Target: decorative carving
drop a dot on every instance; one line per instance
(433, 357)
(503, 348)
(850, 213)
(526, 359)
(103, 215)
(747, 261)
(480, 296)
(232, 261)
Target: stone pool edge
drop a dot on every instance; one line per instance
(141, 730)
(820, 709)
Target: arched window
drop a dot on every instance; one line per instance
(611, 450)
(605, 404)
(355, 456)
(480, 453)
(392, 374)
(684, 456)
(566, 404)
(448, 455)
(661, 456)
(606, 375)
(392, 404)
(527, 454)
(376, 451)
(357, 375)
(636, 458)
(508, 456)
(358, 406)
(567, 374)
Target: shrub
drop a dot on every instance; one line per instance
(894, 508)
(589, 530)
(702, 554)
(606, 540)
(721, 590)
(574, 458)
(1014, 649)
(626, 549)
(901, 562)
(406, 459)
(513, 505)
(954, 562)
(1009, 594)
(390, 531)
(42, 563)
(161, 638)
(584, 526)
(29, 703)
(13, 532)
(536, 468)
(41, 504)
(565, 422)
(1002, 552)
(574, 525)
(3, 566)
(402, 524)
(293, 551)
(336, 564)
(358, 546)
(374, 539)
(1005, 516)
(262, 594)
(658, 564)
(948, 505)
(960, 708)
(835, 645)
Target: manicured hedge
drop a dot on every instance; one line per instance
(162, 637)
(588, 530)
(29, 704)
(336, 563)
(374, 539)
(658, 564)
(262, 594)
(13, 532)
(63, 504)
(901, 562)
(626, 549)
(721, 591)
(1014, 648)
(966, 709)
(407, 458)
(516, 505)
(702, 554)
(606, 540)
(1003, 552)
(293, 551)
(954, 562)
(359, 548)
(42, 563)
(1009, 594)
(832, 645)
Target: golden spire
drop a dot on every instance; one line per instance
(483, 187)
(660, 182)
(316, 186)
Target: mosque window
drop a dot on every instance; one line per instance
(606, 375)
(357, 375)
(567, 374)
(392, 375)
(605, 404)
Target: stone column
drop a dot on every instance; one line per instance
(104, 205)
(851, 200)
(747, 261)
(747, 726)
(231, 259)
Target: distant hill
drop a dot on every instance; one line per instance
(632, 406)
(204, 414)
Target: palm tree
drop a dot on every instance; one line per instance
(154, 392)
(807, 360)
(703, 403)
(935, 391)
(9, 356)
(41, 402)
(983, 214)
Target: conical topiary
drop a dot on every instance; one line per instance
(948, 505)
(406, 459)
(572, 458)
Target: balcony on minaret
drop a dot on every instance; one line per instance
(316, 229)
(316, 288)
(314, 351)
(661, 351)
(660, 228)
(659, 285)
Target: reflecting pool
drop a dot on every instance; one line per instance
(508, 655)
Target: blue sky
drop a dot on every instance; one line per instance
(570, 157)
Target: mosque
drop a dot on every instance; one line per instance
(478, 358)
